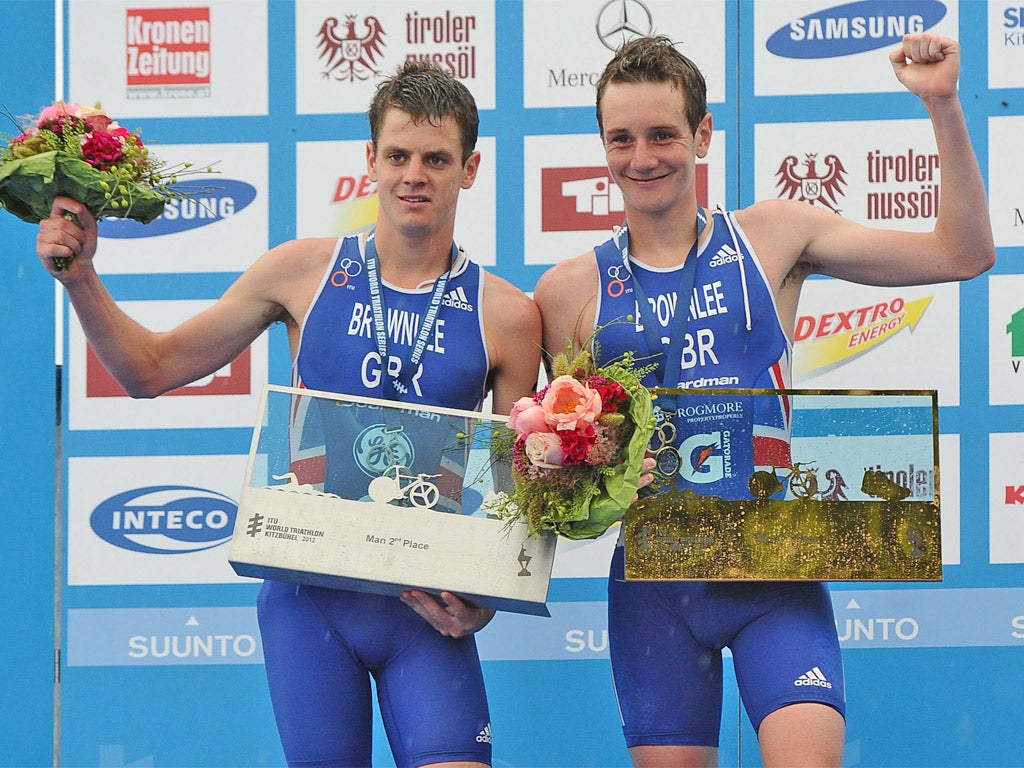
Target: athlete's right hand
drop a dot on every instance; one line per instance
(68, 232)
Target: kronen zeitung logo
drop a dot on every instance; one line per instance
(833, 338)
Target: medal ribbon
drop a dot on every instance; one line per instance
(673, 352)
(666, 454)
(401, 383)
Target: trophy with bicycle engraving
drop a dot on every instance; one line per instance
(790, 484)
(383, 496)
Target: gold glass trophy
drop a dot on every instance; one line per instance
(791, 484)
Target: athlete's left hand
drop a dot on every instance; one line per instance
(449, 614)
(928, 65)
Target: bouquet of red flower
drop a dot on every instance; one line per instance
(579, 447)
(79, 152)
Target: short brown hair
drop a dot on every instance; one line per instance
(656, 60)
(424, 90)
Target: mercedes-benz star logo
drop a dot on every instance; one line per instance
(619, 21)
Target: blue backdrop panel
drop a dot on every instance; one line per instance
(27, 426)
(930, 668)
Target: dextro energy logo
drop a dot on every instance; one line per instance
(167, 52)
(584, 199)
(233, 379)
(356, 202)
(165, 519)
(828, 340)
(814, 185)
(198, 203)
(853, 28)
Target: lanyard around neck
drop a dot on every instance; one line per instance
(400, 383)
(673, 352)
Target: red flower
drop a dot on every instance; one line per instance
(612, 393)
(576, 444)
(101, 150)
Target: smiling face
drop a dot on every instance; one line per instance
(419, 172)
(650, 148)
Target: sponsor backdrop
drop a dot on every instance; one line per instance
(159, 656)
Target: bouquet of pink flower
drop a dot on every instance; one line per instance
(579, 446)
(79, 152)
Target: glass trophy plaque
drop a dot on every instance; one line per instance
(380, 496)
(790, 484)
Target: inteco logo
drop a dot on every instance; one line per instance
(853, 28)
(200, 203)
(586, 199)
(233, 379)
(167, 52)
(165, 519)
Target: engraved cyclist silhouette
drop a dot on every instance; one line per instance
(419, 490)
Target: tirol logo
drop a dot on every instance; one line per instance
(584, 199)
(233, 379)
(196, 205)
(165, 519)
(349, 55)
(854, 28)
(828, 340)
(814, 186)
(1016, 330)
(167, 52)
(448, 39)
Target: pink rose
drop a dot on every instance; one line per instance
(527, 417)
(544, 449)
(96, 117)
(568, 402)
(58, 112)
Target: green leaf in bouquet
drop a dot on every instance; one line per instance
(29, 185)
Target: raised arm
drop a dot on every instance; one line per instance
(960, 247)
(148, 363)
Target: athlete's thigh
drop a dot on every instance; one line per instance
(790, 652)
(433, 702)
(320, 694)
(669, 687)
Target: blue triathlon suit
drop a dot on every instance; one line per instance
(321, 646)
(666, 638)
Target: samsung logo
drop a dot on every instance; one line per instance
(201, 203)
(854, 28)
(165, 519)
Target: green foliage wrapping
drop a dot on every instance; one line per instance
(28, 186)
